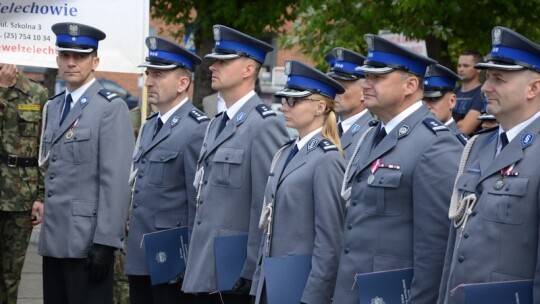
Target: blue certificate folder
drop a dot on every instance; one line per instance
(392, 286)
(510, 292)
(286, 278)
(231, 253)
(166, 253)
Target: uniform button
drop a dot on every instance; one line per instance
(466, 235)
(461, 258)
(137, 190)
(206, 182)
(199, 222)
(49, 194)
(177, 224)
(162, 158)
(346, 250)
(359, 179)
(143, 161)
(75, 138)
(94, 213)
(141, 175)
(349, 226)
(135, 206)
(474, 213)
(354, 202)
(54, 159)
(201, 202)
(52, 176)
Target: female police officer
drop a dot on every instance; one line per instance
(303, 210)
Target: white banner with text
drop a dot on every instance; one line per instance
(26, 37)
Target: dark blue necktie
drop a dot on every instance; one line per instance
(67, 108)
(222, 123)
(340, 129)
(504, 140)
(293, 152)
(159, 124)
(379, 137)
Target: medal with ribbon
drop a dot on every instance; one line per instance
(375, 166)
(499, 184)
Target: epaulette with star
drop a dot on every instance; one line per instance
(110, 96)
(265, 111)
(373, 123)
(435, 125)
(198, 116)
(327, 145)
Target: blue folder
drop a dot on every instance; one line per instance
(231, 253)
(392, 286)
(166, 253)
(509, 292)
(286, 278)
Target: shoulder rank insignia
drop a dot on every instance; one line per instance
(198, 115)
(57, 95)
(108, 94)
(373, 123)
(435, 125)
(265, 111)
(462, 138)
(327, 145)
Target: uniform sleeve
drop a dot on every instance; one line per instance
(191, 156)
(432, 190)
(116, 145)
(329, 216)
(268, 138)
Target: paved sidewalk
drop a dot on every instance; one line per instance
(31, 288)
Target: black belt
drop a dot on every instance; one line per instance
(14, 161)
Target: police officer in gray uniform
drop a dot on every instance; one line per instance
(165, 160)
(398, 178)
(439, 96)
(86, 144)
(353, 115)
(495, 205)
(302, 197)
(233, 165)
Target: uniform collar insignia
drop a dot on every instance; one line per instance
(403, 130)
(355, 128)
(240, 117)
(175, 120)
(527, 139)
(84, 101)
(312, 144)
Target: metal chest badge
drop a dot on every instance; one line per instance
(69, 133)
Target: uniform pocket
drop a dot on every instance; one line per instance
(29, 121)
(83, 224)
(384, 183)
(226, 170)
(506, 205)
(169, 220)
(79, 145)
(161, 172)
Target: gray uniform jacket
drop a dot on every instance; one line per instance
(308, 215)
(164, 195)
(350, 138)
(500, 241)
(236, 166)
(400, 219)
(86, 183)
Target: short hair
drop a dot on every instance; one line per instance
(477, 57)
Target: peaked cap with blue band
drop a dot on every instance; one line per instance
(438, 80)
(166, 55)
(303, 80)
(511, 51)
(385, 56)
(231, 44)
(330, 59)
(345, 65)
(76, 37)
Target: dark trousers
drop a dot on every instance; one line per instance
(141, 291)
(220, 298)
(67, 281)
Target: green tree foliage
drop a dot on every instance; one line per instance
(256, 18)
(448, 26)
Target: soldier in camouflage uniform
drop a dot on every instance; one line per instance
(21, 182)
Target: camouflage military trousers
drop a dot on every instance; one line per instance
(121, 284)
(15, 232)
